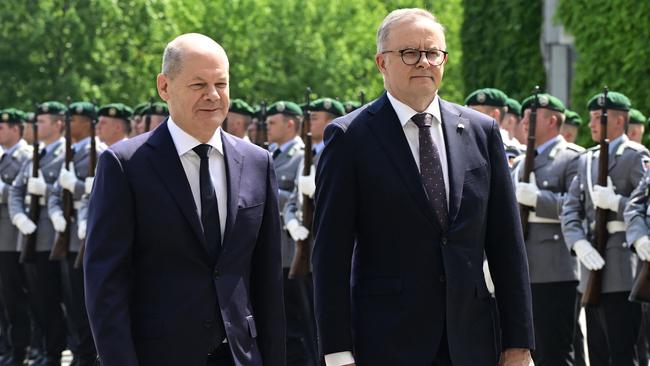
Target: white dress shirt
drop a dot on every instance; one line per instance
(191, 161)
(411, 131)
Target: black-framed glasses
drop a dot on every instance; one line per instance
(411, 56)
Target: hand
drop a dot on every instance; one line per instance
(81, 230)
(605, 197)
(297, 231)
(24, 224)
(58, 221)
(68, 178)
(307, 184)
(89, 184)
(37, 186)
(589, 256)
(516, 357)
(527, 192)
(642, 246)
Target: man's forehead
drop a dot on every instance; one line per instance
(415, 31)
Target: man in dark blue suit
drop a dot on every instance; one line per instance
(183, 259)
(412, 192)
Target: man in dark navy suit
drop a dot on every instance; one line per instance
(183, 259)
(412, 192)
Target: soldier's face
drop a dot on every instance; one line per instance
(319, 121)
(198, 95)
(110, 130)
(237, 124)
(615, 123)
(279, 128)
(79, 127)
(49, 127)
(9, 135)
(635, 132)
(411, 82)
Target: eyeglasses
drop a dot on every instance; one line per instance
(411, 56)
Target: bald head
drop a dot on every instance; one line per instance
(186, 45)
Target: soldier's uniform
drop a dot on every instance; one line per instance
(82, 345)
(43, 275)
(13, 284)
(620, 318)
(553, 270)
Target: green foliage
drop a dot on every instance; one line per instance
(501, 46)
(611, 40)
(111, 50)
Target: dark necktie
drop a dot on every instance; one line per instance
(431, 170)
(209, 206)
(276, 153)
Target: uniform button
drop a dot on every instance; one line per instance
(556, 237)
(624, 245)
(444, 240)
(545, 183)
(216, 274)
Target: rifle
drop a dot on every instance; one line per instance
(28, 250)
(262, 135)
(92, 165)
(592, 293)
(62, 240)
(529, 163)
(300, 262)
(362, 98)
(147, 118)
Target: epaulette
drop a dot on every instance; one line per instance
(593, 148)
(518, 159)
(27, 150)
(574, 147)
(632, 145)
(297, 147)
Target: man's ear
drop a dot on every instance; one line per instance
(380, 61)
(161, 84)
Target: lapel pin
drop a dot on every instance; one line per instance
(460, 128)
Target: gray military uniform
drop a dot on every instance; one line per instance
(637, 211)
(10, 166)
(627, 161)
(81, 160)
(549, 259)
(286, 168)
(19, 199)
(293, 207)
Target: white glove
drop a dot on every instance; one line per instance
(68, 178)
(307, 184)
(488, 277)
(81, 230)
(58, 221)
(605, 197)
(527, 192)
(89, 184)
(24, 224)
(297, 231)
(37, 186)
(588, 255)
(642, 246)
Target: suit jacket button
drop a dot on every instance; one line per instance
(444, 240)
(216, 274)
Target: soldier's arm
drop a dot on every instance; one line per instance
(635, 211)
(54, 200)
(79, 189)
(549, 204)
(635, 175)
(291, 206)
(17, 191)
(573, 213)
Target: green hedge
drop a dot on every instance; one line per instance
(612, 39)
(501, 46)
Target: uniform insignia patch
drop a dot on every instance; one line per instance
(543, 101)
(80, 109)
(281, 107)
(45, 108)
(480, 97)
(327, 104)
(5, 117)
(158, 109)
(112, 112)
(601, 100)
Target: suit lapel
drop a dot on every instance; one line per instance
(388, 130)
(167, 164)
(456, 133)
(234, 165)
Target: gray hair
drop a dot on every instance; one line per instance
(172, 60)
(399, 15)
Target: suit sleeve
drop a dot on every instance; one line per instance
(266, 279)
(505, 252)
(635, 211)
(334, 228)
(107, 263)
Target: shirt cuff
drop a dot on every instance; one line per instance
(339, 359)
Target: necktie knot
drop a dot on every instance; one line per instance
(422, 119)
(202, 150)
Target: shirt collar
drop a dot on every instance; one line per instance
(185, 142)
(541, 148)
(287, 145)
(52, 146)
(404, 112)
(81, 143)
(319, 147)
(613, 145)
(16, 146)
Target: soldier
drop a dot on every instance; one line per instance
(511, 120)
(43, 275)
(553, 270)
(636, 126)
(615, 317)
(351, 105)
(157, 111)
(12, 278)
(283, 124)
(113, 125)
(240, 116)
(571, 126)
(73, 180)
(137, 123)
(492, 102)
